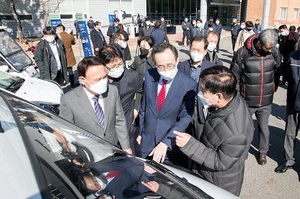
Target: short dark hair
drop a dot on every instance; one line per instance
(87, 62)
(96, 23)
(48, 30)
(62, 26)
(157, 24)
(147, 19)
(282, 27)
(108, 54)
(249, 24)
(292, 28)
(148, 39)
(218, 79)
(116, 36)
(161, 47)
(199, 39)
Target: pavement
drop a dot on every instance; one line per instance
(260, 182)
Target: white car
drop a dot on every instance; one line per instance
(45, 156)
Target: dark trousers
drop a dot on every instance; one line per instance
(186, 34)
(233, 40)
(59, 77)
(291, 131)
(262, 116)
(218, 44)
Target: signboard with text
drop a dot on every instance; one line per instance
(84, 35)
(54, 20)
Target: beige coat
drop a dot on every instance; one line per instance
(242, 37)
(68, 41)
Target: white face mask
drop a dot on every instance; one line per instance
(205, 102)
(147, 23)
(49, 39)
(284, 33)
(211, 46)
(116, 72)
(99, 87)
(124, 44)
(210, 29)
(169, 74)
(196, 57)
(199, 25)
(243, 26)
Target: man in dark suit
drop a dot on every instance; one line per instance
(112, 29)
(129, 84)
(163, 24)
(167, 104)
(95, 106)
(193, 68)
(97, 37)
(159, 35)
(147, 29)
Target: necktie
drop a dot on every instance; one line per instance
(112, 174)
(162, 94)
(98, 110)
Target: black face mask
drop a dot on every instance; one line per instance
(249, 29)
(144, 51)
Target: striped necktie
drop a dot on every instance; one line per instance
(98, 110)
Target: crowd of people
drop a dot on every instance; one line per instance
(195, 113)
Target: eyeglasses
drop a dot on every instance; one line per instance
(112, 66)
(166, 67)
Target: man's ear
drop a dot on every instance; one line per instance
(81, 80)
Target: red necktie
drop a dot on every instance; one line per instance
(112, 174)
(162, 94)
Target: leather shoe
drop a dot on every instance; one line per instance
(262, 159)
(283, 168)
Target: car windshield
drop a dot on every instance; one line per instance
(12, 53)
(9, 82)
(93, 166)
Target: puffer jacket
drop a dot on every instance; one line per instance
(255, 73)
(293, 91)
(224, 144)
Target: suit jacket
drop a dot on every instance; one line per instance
(129, 83)
(98, 39)
(76, 107)
(185, 67)
(110, 31)
(159, 36)
(68, 41)
(175, 114)
(130, 170)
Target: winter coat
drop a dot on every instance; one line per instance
(46, 62)
(293, 91)
(68, 41)
(255, 73)
(224, 144)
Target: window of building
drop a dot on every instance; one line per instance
(283, 12)
(296, 13)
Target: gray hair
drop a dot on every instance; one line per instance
(268, 35)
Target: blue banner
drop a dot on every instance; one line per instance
(54, 23)
(84, 37)
(111, 18)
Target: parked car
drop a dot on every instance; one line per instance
(45, 156)
(13, 58)
(41, 92)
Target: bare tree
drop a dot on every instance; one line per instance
(49, 6)
(17, 18)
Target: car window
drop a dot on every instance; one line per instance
(7, 44)
(17, 176)
(9, 82)
(82, 164)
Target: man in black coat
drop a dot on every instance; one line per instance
(220, 153)
(97, 37)
(159, 35)
(50, 57)
(292, 113)
(112, 29)
(129, 84)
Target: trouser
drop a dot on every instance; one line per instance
(71, 76)
(262, 116)
(233, 40)
(218, 44)
(59, 77)
(186, 34)
(291, 131)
